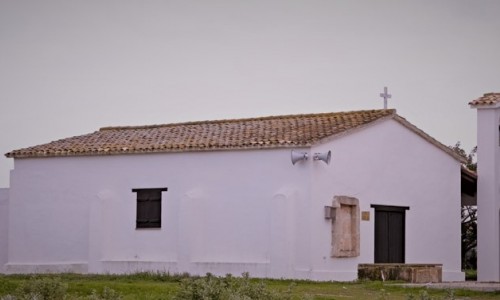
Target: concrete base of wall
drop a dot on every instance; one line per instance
(256, 269)
(449, 276)
(261, 269)
(69, 267)
(414, 273)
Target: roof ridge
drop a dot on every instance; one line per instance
(283, 131)
(271, 117)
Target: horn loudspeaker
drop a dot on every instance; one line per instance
(298, 156)
(326, 157)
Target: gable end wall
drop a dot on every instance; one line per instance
(388, 164)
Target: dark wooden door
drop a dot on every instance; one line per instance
(389, 234)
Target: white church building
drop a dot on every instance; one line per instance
(297, 196)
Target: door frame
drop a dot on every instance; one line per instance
(390, 208)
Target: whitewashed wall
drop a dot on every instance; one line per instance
(488, 194)
(387, 164)
(233, 211)
(4, 215)
(48, 216)
(216, 214)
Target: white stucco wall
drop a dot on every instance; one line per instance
(233, 211)
(4, 215)
(488, 194)
(387, 164)
(217, 212)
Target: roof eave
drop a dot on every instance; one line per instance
(484, 106)
(469, 173)
(153, 151)
(406, 124)
(429, 139)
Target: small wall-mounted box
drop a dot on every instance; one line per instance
(329, 212)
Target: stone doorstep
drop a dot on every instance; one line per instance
(413, 273)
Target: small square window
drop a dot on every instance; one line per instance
(149, 207)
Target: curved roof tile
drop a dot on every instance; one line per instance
(486, 100)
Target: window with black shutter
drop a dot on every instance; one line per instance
(149, 207)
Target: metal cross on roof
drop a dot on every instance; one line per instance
(386, 96)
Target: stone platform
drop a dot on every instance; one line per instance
(413, 273)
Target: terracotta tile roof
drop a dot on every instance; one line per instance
(467, 172)
(486, 100)
(253, 133)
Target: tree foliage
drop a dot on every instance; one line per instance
(469, 215)
(470, 157)
(469, 237)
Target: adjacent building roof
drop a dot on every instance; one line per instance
(488, 99)
(253, 133)
(468, 187)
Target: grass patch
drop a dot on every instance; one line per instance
(166, 286)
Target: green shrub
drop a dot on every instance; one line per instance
(42, 289)
(106, 294)
(227, 288)
(471, 275)
(46, 288)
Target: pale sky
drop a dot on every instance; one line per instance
(70, 67)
